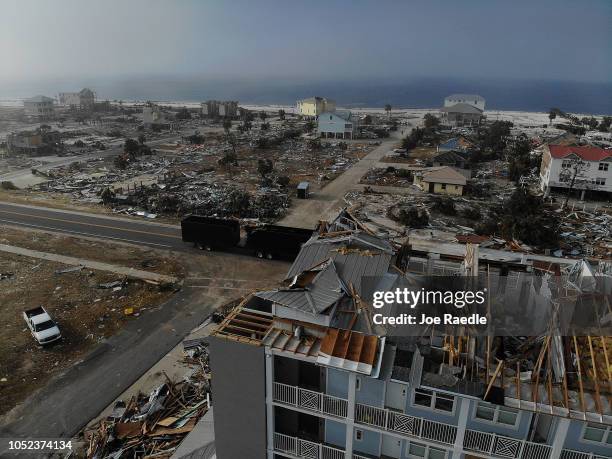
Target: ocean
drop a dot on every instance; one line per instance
(516, 95)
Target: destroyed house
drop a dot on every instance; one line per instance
(456, 144)
(301, 371)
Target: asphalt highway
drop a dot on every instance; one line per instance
(82, 224)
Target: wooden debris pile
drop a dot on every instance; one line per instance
(153, 425)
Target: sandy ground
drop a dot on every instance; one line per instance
(85, 313)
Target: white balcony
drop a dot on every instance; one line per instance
(403, 424)
(506, 447)
(296, 447)
(310, 400)
(571, 454)
(486, 443)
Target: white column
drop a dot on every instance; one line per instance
(464, 408)
(350, 418)
(269, 406)
(557, 445)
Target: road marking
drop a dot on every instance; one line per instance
(81, 233)
(217, 287)
(73, 222)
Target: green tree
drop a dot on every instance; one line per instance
(523, 216)
(131, 147)
(265, 167)
(552, 114)
(430, 121)
(263, 116)
(227, 125)
(520, 159)
(265, 126)
(281, 114)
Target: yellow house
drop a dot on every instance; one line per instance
(441, 180)
(314, 106)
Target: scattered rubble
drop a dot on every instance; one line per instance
(154, 424)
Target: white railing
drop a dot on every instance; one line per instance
(506, 447)
(359, 456)
(406, 425)
(571, 454)
(309, 400)
(298, 447)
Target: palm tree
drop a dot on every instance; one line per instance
(388, 109)
(552, 115)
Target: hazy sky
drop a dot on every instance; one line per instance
(547, 39)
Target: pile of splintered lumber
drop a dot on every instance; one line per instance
(153, 425)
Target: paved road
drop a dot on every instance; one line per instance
(326, 203)
(68, 402)
(82, 224)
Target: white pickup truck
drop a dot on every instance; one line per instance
(43, 328)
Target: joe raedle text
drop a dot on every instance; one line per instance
(424, 319)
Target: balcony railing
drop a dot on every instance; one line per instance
(406, 425)
(310, 400)
(391, 421)
(571, 454)
(506, 447)
(300, 448)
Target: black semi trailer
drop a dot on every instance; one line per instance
(209, 233)
(273, 241)
(265, 241)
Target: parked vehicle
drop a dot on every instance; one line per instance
(262, 241)
(43, 328)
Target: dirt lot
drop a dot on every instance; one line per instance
(85, 312)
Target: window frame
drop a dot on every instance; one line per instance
(603, 166)
(427, 448)
(358, 435)
(606, 436)
(496, 410)
(434, 397)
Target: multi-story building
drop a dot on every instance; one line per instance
(303, 372)
(340, 124)
(314, 106)
(40, 107)
(152, 115)
(584, 168)
(85, 99)
(461, 115)
(470, 99)
(212, 108)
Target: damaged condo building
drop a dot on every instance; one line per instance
(303, 371)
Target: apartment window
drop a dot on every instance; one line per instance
(566, 163)
(358, 383)
(444, 186)
(424, 451)
(600, 181)
(597, 433)
(497, 413)
(358, 435)
(603, 166)
(434, 400)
